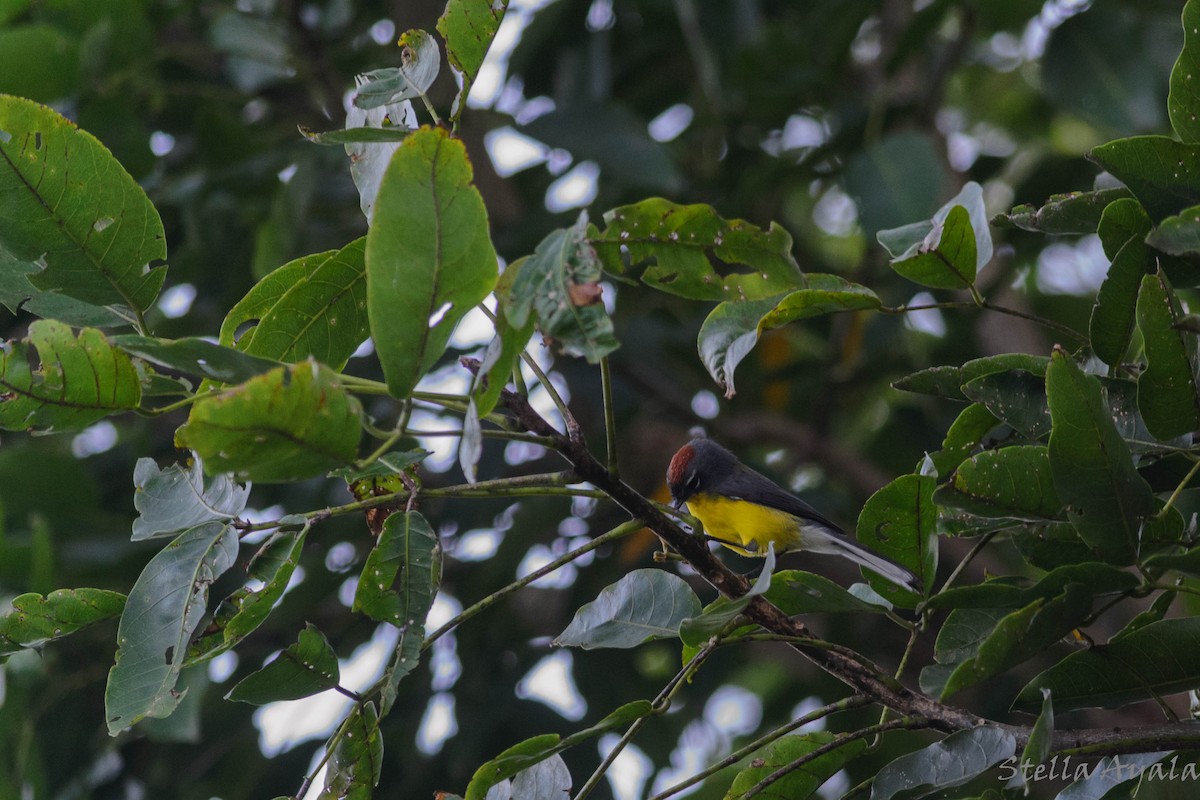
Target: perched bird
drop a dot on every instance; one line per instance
(744, 511)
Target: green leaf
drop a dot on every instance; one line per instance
(1161, 659)
(356, 761)
(1162, 173)
(645, 604)
(1013, 483)
(503, 353)
(365, 134)
(1107, 774)
(948, 381)
(323, 316)
(197, 357)
(1123, 230)
(1183, 102)
(305, 668)
(1167, 395)
(407, 556)
(429, 257)
(964, 435)
(1021, 635)
(1187, 562)
(797, 592)
(17, 293)
(799, 783)
(291, 423)
(405, 659)
(66, 203)
(1052, 545)
(947, 252)
(35, 620)
(695, 631)
(943, 765)
(1063, 214)
(559, 284)
(964, 630)
(468, 28)
(262, 297)
(180, 497)
(1105, 498)
(1096, 577)
(692, 252)
(1156, 612)
(899, 523)
(163, 610)
(1016, 397)
(77, 382)
(245, 609)
(1178, 234)
(420, 63)
(734, 327)
(387, 465)
(1038, 746)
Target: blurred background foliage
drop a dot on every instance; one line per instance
(835, 118)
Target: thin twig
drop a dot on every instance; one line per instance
(610, 425)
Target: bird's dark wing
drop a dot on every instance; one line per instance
(746, 484)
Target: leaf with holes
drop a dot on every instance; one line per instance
(692, 252)
(356, 760)
(305, 668)
(429, 256)
(406, 554)
(67, 205)
(77, 382)
(35, 620)
(179, 497)
(898, 522)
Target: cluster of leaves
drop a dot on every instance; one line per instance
(1077, 456)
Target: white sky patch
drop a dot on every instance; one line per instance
(341, 557)
(929, 321)
(383, 31)
(479, 544)
(474, 329)
(512, 152)
(221, 668)
(177, 300)
(807, 706)
(285, 724)
(516, 453)
(286, 174)
(705, 404)
(347, 591)
(575, 189)
(630, 770)
(733, 710)
(802, 131)
(365, 349)
(550, 682)
(835, 213)
(539, 556)
(161, 143)
(671, 122)
(438, 724)
(98, 438)
(1076, 269)
(445, 608)
(692, 753)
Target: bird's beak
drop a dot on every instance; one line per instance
(678, 504)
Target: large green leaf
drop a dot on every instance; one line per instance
(163, 610)
(645, 604)
(197, 357)
(294, 422)
(948, 381)
(68, 205)
(800, 783)
(964, 630)
(1073, 213)
(1183, 102)
(1097, 577)
(899, 522)
(1106, 500)
(1160, 659)
(179, 497)
(1178, 234)
(1013, 483)
(947, 251)
(692, 252)
(323, 316)
(400, 577)
(943, 765)
(304, 668)
(429, 256)
(468, 28)
(1168, 396)
(245, 609)
(559, 285)
(77, 382)
(356, 760)
(35, 620)
(1015, 396)
(1162, 173)
(1123, 230)
(236, 329)
(18, 294)
(964, 435)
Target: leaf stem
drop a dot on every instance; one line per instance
(573, 431)
(610, 424)
(622, 530)
(1166, 509)
(990, 306)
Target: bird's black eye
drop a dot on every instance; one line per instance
(693, 482)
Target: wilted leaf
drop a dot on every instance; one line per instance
(947, 251)
(421, 60)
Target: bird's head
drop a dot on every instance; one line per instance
(696, 467)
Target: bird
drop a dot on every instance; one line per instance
(745, 511)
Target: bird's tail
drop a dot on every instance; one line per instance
(839, 545)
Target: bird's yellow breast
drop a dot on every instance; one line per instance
(745, 523)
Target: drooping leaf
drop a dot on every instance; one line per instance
(400, 577)
(197, 357)
(162, 611)
(1162, 173)
(429, 255)
(293, 422)
(245, 609)
(1161, 659)
(1073, 213)
(1168, 395)
(899, 522)
(356, 761)
(1105, 498)
(1041, 737)
(305, 668)
(77, 381)
(943, 765)
(1012, 482)
(645, 604)
(949, 250)
(559, 286)
(692, 252)
(800, 783)
(420, 62)
(405, 658)
(468, 28)
(181, 497)
(68, 205)
(1183, 102)
(35, 620)
(1123, 229)
(504, 351)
